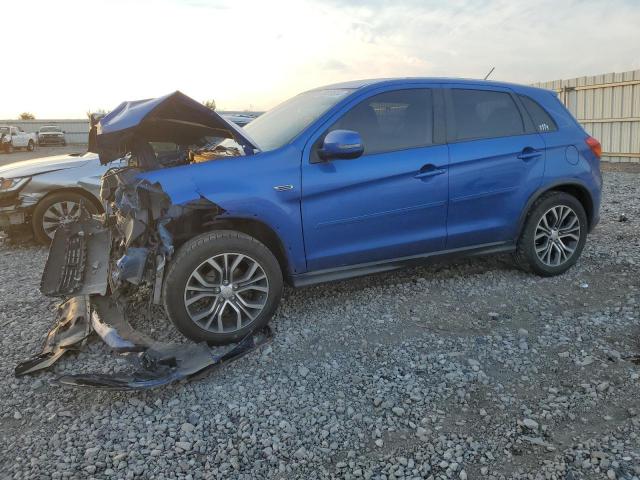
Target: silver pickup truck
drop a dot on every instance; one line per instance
(14, 137)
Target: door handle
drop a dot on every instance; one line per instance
(429, 170)
(529, 154)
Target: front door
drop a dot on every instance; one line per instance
(391, 202)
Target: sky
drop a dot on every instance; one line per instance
(70, 57)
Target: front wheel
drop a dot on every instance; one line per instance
(31, 146)
(222, 286)
(553, 236)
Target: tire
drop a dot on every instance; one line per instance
(31, 146)
(555, 252)
(181, 284)
(40, 224)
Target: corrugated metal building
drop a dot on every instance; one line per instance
(76, 131)
(608, 106)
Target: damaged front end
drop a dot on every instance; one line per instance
(94, 262)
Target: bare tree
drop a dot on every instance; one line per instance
(27, 116)
(99, 111)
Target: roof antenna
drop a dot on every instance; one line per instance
(490, 72)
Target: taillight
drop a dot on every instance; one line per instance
(595, 146)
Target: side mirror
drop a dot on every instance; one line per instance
(63, 131)
(341, 144)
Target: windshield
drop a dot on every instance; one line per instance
(4, 129)
(281, 124)
(50, 129)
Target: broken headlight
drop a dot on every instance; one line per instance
(13, 184)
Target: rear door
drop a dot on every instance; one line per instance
(392, 201)
(496, 163)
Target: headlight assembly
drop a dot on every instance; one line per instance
(12, 184)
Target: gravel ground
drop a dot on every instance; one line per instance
(468, 370)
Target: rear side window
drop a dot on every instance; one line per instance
(541, 119)
(392, 121)
(485, 114)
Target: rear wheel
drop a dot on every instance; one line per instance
(222, 286)
(57, 209)
(553, 236)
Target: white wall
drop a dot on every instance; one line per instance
(76, 131)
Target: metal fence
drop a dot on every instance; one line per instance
(608, 106)
(76, 131)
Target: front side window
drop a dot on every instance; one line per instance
(485, 114)
(392, 121)
(541, 119)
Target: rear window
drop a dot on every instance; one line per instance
(541, 119)
(485, 114)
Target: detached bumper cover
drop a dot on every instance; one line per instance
(154, 363)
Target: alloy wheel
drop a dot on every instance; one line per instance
(557, 235)
(226, 292)
(60, 213)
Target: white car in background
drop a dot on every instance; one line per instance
(12, 137)
(51, 135)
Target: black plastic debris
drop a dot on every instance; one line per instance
(70, 332)
(168, 363)
(155, 363)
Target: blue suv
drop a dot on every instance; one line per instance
(344, 180)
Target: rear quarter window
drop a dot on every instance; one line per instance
(541, 119)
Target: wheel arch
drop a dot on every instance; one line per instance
(573, 188)
(80, 191)
(255, 228)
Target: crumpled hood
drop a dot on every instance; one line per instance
(29, 168)
(173, 118)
